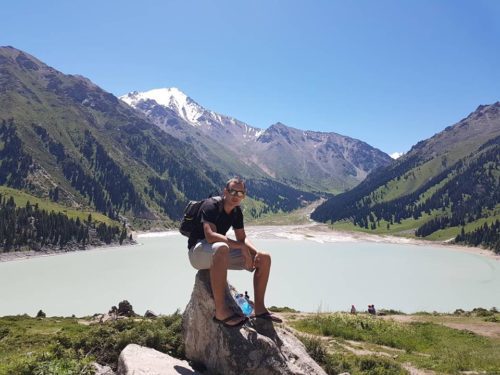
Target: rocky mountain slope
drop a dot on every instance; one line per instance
(64, 138)
(445, 183)
(308, 160)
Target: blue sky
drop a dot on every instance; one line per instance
(390, 73)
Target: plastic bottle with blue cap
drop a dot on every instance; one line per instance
(243, 304)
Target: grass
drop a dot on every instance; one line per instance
(21, 198)
(424, 344)
(337, 361)
(405, 228)
(283, 309)
(447, 233)
(280, 218)
(299, 216)
(409, 182)
(64, 346)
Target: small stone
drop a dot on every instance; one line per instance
(102, 370)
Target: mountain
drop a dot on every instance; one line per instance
(314, 161)
(177, 103)
(65, 139)
(443, 184)
(183, 118)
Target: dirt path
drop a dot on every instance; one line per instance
(488, 329)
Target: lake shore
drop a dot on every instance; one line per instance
(311, 232)
(322, 233)
(30, 254)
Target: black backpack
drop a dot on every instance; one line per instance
(191, 217)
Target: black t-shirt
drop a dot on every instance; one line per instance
(211, 212)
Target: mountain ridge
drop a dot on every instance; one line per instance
(265, 148)
(100, 152)
(444, 185)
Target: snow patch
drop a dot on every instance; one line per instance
(396, 155)
(172, 98)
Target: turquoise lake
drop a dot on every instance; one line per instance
(307, 275)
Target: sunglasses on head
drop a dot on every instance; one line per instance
(236, 193)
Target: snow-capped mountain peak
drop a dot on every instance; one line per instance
(172, 98)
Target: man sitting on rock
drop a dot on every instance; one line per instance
(210, 248)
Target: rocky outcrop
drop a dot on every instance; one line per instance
(150, 314)
(104, 318)
(102, 370)
(139, 360)
(258, 347)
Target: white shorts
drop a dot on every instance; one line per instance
(201, 254)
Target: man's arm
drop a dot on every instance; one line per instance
(248, 253)
(212, 236)
(241, 237)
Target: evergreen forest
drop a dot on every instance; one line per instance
(466, 192)
(31, 228)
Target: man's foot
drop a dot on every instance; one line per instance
(231, 321)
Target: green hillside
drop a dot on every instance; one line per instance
(30, 226)
(21, 198)
(64, 139)
(445, 186)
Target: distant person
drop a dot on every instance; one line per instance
(249, 300)
(371, 310)
(210, 248)
(353, 310)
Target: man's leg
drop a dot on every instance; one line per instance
(218, 281)
(260, 279)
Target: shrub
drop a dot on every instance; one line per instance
(4, 332)
(48, 363)
(378, 365)
(105, 342)
(390, 312)
(125, 309)
(479, 311)
(282, 309)
(315, 348)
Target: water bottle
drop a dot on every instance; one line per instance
(242, 302)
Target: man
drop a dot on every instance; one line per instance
(210, 248)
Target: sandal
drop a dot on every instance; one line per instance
(225, 321)
(269, 316)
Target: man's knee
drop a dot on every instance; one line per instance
(221, 251)
(263, 260)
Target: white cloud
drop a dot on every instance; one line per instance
(396, 155)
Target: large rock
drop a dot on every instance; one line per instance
(259, 347)
(139, 360)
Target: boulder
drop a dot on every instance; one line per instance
(104, 318)
(139, 360)
(258, 347)
(150, 314)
